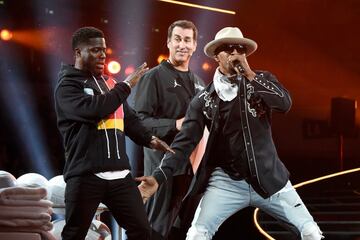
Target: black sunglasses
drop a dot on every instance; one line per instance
(229, 48)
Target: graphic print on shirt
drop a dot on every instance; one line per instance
(176, 84)
(116, 119)
(209, 104)
(250, 92)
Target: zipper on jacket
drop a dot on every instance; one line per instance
(104, 125)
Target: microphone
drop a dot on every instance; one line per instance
(238, 66)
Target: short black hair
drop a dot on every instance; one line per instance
(82, 35)
(186, 24)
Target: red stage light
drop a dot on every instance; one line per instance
(5, 35)
(113, 67)
(129, 70)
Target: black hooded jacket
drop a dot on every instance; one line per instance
(83, 104)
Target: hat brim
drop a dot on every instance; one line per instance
(249, 45)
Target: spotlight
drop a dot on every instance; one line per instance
(205, 66)
(161, 57)
(113, 67)
(129, 70)
(199, 6)
(5, 35)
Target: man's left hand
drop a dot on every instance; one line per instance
(242, 61)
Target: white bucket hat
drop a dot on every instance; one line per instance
(230, 35)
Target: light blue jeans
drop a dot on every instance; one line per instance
(224, 197)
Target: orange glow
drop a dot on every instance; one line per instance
(129, 70)
(161, 57)
(40, 39)
(33, 38)
(6, 35)
(205, 66)
(114, 67)
(109, 51)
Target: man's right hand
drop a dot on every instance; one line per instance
(147, 187)
(134, 77)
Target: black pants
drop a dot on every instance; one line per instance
(83, 194)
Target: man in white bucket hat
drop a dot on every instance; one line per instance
(240, 167)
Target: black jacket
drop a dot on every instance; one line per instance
(159, 101)
(257, 100)
(82, 109)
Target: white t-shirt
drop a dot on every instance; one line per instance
(112, 175)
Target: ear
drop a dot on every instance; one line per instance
(216, 58)
(77, 52)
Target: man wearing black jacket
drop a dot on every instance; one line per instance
(240, 166)
(93, 119)
(162, 97)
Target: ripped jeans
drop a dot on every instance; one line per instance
(224, 197)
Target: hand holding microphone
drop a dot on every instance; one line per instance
(241, 66)
(237, 67)
(238, 63)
